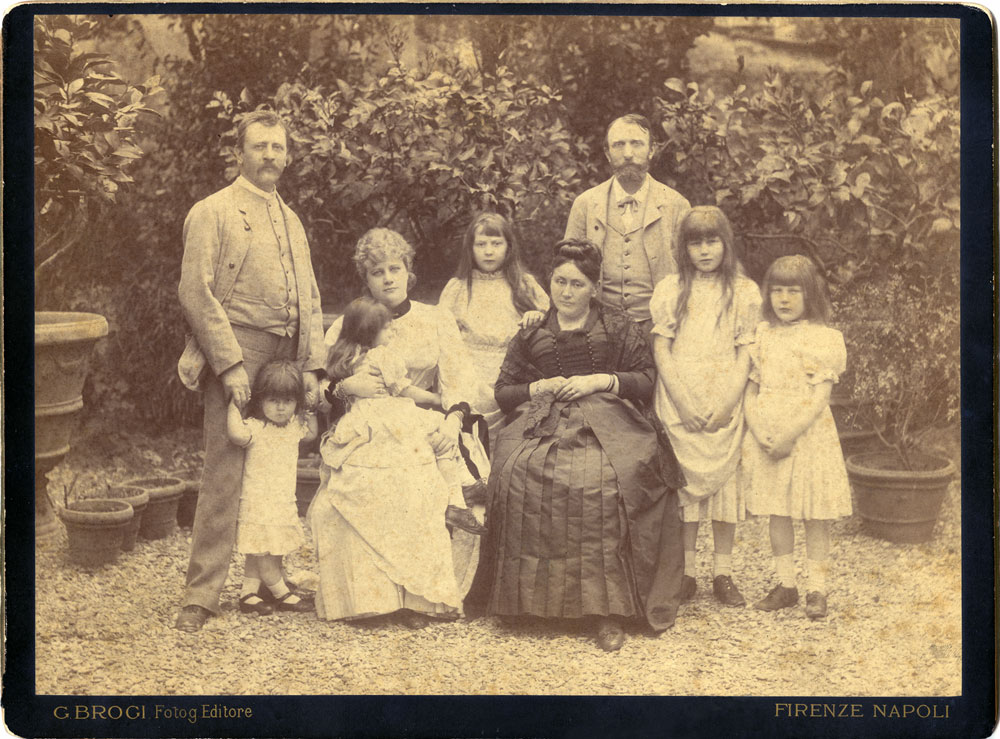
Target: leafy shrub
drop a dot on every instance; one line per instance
(86, 130)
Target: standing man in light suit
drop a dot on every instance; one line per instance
(632, 218)
(249, 294)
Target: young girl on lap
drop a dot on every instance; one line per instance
(792, 456)
(703, 324)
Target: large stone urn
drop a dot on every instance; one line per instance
(63, 344)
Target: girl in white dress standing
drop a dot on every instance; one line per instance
(703, 323)
(792, 456)
(491, 296)
(268, 526)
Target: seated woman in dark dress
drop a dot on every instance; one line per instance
(582, 512)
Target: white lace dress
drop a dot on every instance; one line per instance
(810, 483)
(488, 321)
(704, 352)
(268, 520)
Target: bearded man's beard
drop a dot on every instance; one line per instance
(631, 175)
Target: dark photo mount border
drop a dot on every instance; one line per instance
(973, 714)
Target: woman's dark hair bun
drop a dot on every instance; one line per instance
(583, 253)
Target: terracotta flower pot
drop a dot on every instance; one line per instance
(899, 505)
(138, 498)
(160, 518)
(95, 529)
(63, 344)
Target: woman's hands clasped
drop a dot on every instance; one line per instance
(572, 388)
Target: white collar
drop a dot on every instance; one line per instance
(618, 192)
(248, 185)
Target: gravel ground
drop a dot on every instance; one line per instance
(894, 627)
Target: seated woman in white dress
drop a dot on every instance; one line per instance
(368, 565)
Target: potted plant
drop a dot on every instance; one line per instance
(160, 517)
(95, 527)
(906, 382)
(85, 141)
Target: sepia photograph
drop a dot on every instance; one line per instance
(575, 353)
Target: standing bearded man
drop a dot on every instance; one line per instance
(632, 218)
(249, 294)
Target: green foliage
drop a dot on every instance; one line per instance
(86, 131)
(409, 123)
(421, 152)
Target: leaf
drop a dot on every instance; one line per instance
(860, 185)
(941, 225)
(675, 84)
(101, 99)
(866, 86)
(75, 86)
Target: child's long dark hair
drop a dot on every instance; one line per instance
(798, 271)
(705, 221)
(494, 224)
(363, 320)
(280, 378)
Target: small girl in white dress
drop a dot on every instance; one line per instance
(393, 426)
(704, 319)
(792, 456)
(491, 297)
(268, 526)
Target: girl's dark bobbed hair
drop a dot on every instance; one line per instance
(280, 378)
(581, 252)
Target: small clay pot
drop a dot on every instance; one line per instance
(95, 528)
(160, 517)
(136, 497)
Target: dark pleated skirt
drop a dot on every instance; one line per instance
(559, 526)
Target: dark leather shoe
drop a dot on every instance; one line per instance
(463, 518)
(689, 586)
(610, 635)
(301, 605)
(267, 596)
(260, 607)
(779, 597)
(412, 619)
(475, 493)
(726, 593)
(816, 605)
(192, 618)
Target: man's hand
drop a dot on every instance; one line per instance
(237, 385)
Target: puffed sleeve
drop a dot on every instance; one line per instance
(662, 307)
(538, 297)
(748, 304)
(255, 426)
(456, 377)
(453, 292)
(392, 368)
(755, 347)
(333, 333)
(826, 357)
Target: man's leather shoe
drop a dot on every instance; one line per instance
(726, 593)
(192, 618)
(610, 635)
